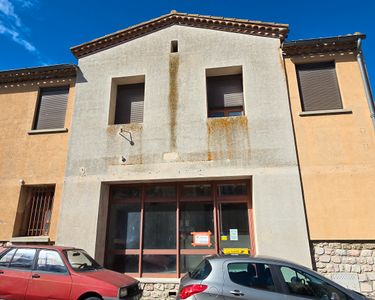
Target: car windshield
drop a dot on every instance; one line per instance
(80, 261)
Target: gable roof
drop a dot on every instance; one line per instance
(242, 26)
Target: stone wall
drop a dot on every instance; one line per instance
(354, 260)
(163, 291)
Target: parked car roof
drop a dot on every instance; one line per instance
(51, 247)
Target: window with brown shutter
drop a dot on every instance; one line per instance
(129, 103)
(318, 86)
(51, 108)
(225, 96)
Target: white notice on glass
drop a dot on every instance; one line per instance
(201, 240)
(233, 234)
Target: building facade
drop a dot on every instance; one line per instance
(147, 172)
(333, 117)
(35, 116)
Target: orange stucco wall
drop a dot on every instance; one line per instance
(35, 159)
(337, 157)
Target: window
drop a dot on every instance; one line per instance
(166, 229)
(51, 108)
(23, 259)
(254, 275)
(224, 92)
(35, 209)
(318, 86)
(6, 258)
(303, 284)
(129, 103)
(50, 261)
(202, 271)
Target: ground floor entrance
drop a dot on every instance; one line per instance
(165, 229)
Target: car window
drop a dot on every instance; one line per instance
(23, 259)
(50, 261)
(303, 284)
(80, 261)
(202, 271)
(6, 258)
(254, 275)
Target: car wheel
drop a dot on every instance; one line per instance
(93, 298)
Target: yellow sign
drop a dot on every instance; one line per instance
(236, 251)
(224, 237)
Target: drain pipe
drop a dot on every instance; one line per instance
(366, 80)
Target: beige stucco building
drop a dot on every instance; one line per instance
(333, 117)
(35, 117)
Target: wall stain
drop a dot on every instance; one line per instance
(173, 98)
(228, 138)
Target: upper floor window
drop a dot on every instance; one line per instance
(129, 103)
(224, 92)
(318, 86)
(51, 108)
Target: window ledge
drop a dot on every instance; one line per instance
(325, 112)
(158, 280)
(42, 131)
(30, 239)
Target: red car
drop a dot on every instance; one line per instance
(52, 272)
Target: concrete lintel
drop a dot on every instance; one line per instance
(30, 239)
(159, 280)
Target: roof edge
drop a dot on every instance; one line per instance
(268, 29)
(322, 45)
(38, 73)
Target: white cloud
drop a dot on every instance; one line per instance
(11, 24)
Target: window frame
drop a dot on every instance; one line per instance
(178, 251)
(37, 108)
(225, 71)
(305, 112)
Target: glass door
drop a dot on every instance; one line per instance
(234, 228)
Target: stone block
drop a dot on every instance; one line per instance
(357, 246)
(366, 253)
(148, 287)
(334, 245)
(353, 252)
(319, 250)
(362, 277)
(320, 265)
(336, 259)
(328, 251)
(346, 246)
(366, 287)
(146, 293)
(371, 276)
(340, 252)
(348, 268)
(325, 258)
(369, 246)
(356, 269)
(159, 287)
(170, 286)
(370, 260)
(366, 268)
(156, 294)
(362, 260)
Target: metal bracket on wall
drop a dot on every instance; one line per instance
(127, 135)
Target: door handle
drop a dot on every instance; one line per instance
(236, 293)
(1, 272)
(35, 276)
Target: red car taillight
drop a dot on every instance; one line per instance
(192, 289)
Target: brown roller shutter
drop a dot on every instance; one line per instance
(129, 103)
(318, 86)
(52, 108)
(224, 91)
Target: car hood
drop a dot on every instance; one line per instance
(111, 277)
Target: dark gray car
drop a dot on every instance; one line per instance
(258, 278)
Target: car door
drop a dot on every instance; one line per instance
(251, 281)
(15, 272)
(301, 285)
(50, 278)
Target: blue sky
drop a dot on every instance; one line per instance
(40, 32)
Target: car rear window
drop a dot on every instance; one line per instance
(202, 271)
